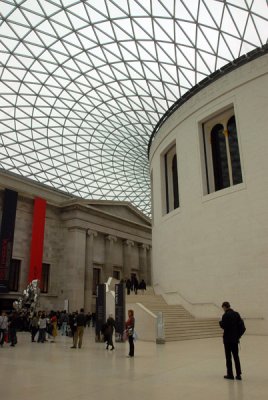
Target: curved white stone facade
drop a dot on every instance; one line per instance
(214, 247)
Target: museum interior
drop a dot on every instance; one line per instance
(133, 157)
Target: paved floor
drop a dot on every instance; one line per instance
(181, 370)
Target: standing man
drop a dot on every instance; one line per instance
(80, 326)
(230, 325)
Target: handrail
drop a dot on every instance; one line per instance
(195, 303)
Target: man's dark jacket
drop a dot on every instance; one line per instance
(229, 323)
(81, 319)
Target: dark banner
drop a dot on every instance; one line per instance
(37, 244)
(100, 309)
(120, 292)
(7, 236)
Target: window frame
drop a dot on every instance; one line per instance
(222, 118)
(95, 283)
(115, 272)
(170, 192)
(14, 275)
(45, 278)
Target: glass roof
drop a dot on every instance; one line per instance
(83, 83)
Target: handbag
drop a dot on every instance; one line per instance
(135, 335)
(125, 336)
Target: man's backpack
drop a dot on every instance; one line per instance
(241, 327)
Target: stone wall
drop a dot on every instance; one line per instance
(214, 246)
(77, 238)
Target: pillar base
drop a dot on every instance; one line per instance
(160, 341)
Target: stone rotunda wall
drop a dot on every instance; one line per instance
(210, 239)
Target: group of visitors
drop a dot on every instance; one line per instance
(132, 284)
(46, 325)
(108, 330)
(43, 326)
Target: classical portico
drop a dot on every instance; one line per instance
(106, 243)
(85, 243)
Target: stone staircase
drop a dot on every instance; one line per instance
(179, 323)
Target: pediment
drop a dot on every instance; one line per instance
(123, 210)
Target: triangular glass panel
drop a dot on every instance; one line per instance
(181, 11)
(251, 35)
(163, 30)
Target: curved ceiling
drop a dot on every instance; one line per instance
(83, 83)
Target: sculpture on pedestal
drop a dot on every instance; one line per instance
(30, 298)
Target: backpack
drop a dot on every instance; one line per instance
(241, 327)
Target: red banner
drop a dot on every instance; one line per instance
(38, 229)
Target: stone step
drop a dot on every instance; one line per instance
(179, 324)
(188, 337)
(188, 322)
(193, 329)
(150, 297)
(192, 333)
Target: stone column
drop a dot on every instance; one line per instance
(109, 256)
(143, 262)
(24, 272)
(74, 266)
(127, 258)
(149, 265)
(89, 269)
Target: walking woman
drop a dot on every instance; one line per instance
(130, 324)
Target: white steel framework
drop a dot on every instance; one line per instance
(84, 82)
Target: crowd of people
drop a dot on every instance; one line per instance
(46, 326)
(43, 326)
(133, 285)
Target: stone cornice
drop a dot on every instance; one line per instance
(30, 189)
(205, 83)
(102, 214)
(105, 230)
(77, 228)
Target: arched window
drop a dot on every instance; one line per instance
(219, 156)
(171, 184)
(234, 151)
(175, 182)
(221, 153)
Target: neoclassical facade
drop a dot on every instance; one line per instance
(85, 242)
(208, 163)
